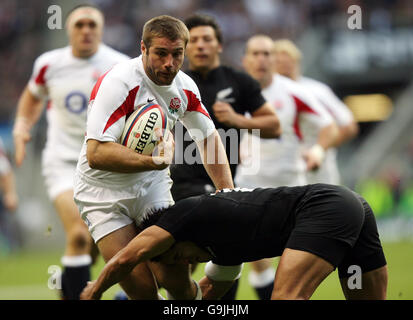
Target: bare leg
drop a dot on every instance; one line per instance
(78, 239)
(140, 283)
(76, 260)
(299, 273)
(373, 286)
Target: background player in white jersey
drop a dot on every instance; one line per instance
(8, 203)
(7, 182)
(281, 161)
(288, 58)
(65, 78)
(115, 187)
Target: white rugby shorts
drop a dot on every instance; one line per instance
(58, 174)
(106, 208)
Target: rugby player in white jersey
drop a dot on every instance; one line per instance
(65, 78)
(115, 187)
(7, 182)
(281, 162)
(8, 202)
(288, 58)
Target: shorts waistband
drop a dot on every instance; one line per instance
(100, 183)
(110, 183)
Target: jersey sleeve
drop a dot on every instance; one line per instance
(310, 110)
(341, 114)
(250, 91)
(38, 80)
(196, 118)
(111, 101)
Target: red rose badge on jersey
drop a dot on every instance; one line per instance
(174, 105)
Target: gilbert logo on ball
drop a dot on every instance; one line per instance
(139, 132)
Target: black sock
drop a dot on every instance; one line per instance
(231, 294)
(264, 293)
(76, 274)
(74, 279)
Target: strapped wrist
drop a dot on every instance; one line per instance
(318, 151)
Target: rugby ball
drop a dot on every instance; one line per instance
(139, 132)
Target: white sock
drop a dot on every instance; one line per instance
(261, 279)
(76, 261)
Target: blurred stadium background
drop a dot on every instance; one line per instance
(370, 69)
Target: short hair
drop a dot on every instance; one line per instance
(200, 20)
(164, 26)
(84, 5)
(287, 46)
(259, 36)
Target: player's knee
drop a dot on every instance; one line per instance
(79, 237)
(285, 291)
(376, 283)
(138, 292)
(283, 294)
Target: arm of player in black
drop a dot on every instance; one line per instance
(264, 119)
(150, 243)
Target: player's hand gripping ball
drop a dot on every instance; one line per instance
(139, 132)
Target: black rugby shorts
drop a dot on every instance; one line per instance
(337, 225)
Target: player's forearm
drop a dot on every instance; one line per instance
(327, 136)
(7, 183)
(150, 243)
(216, 162)
(29, 107)
(113, 272)
(268, 125)
(111, 156)
(346, 133)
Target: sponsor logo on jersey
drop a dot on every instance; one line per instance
(174, 105)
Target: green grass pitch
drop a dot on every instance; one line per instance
(24, 276)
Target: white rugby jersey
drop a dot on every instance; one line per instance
(280, 161)
(5, 166)
(66, 82)
(328, 172)
(121, 91)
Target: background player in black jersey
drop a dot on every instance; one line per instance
(314, 228)
(228, 95)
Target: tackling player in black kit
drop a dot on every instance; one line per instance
(227, 94)
(314, 228)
